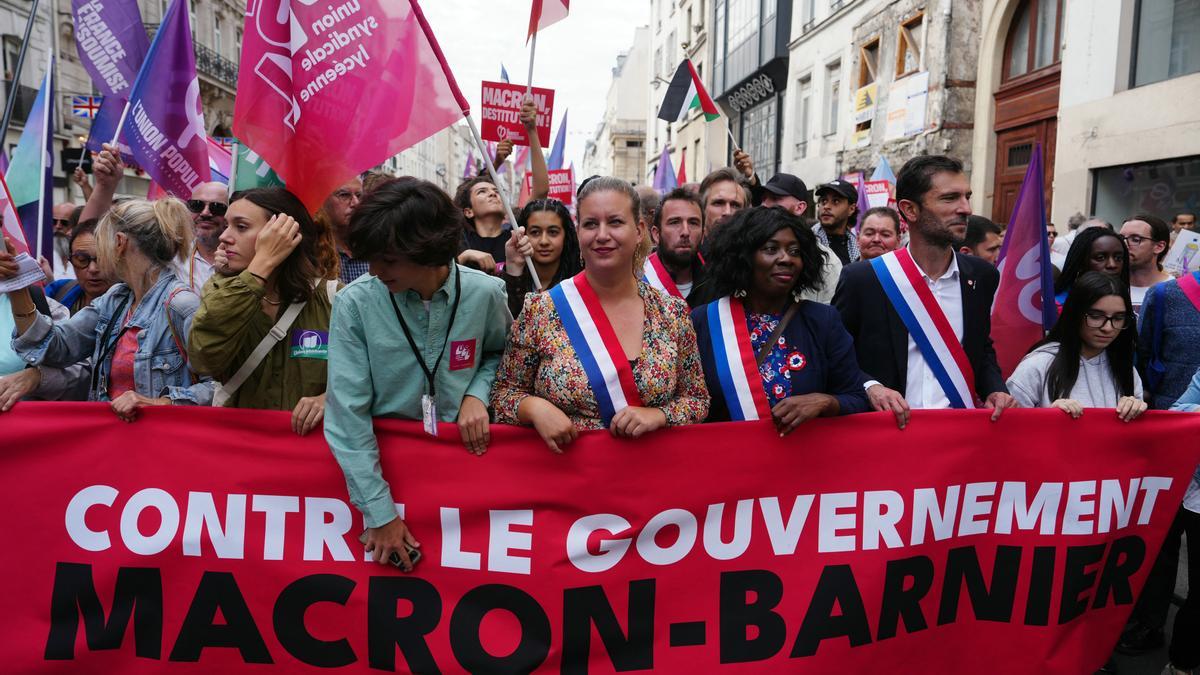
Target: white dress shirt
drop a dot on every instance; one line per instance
(193, 271)
(922, 389)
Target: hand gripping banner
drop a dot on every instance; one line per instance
(216, 539)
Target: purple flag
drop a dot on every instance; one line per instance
(863, 205)
(164, 123)
(664, 175)
(1024, 306)
(112, 43)
(104, 127)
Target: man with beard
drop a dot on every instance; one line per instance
(674, 266)
(837, 203)
(955, 295)
(208, 205)
(62, 240)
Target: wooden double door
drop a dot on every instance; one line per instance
(1026, 115)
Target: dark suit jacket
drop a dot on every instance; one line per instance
(881, 339)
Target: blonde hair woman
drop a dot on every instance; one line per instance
(602, 350)
(135, 333)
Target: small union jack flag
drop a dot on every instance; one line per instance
(86, 106)
(226, 142)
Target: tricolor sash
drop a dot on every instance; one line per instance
(655, 274)
(595, 342)
(927, 324)
(733, 354)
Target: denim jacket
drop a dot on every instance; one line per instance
(159, 365)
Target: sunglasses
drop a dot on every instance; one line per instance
(61, 221)
(81, 260)
(216, 208)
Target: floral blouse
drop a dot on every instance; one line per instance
(781, 361)
(540, 361)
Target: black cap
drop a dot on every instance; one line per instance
(787, 185)
(841, 187)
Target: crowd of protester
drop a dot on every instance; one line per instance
(398, 300)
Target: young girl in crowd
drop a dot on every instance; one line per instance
(768, 353)
(268, 275)
(485, 234)
(552, 244)
(1096, 249)
(417, 338)
(1087, 359)
(136, 333)
(602, 349)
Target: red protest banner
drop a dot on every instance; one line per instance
(562, 185)
(499, 113)
(1020, 544)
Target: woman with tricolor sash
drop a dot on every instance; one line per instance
(767, 352)
(602, 349)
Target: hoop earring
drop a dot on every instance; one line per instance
(797, 296)
(739, 293)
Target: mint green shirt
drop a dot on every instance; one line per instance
(374, 373)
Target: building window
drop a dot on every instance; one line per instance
(868, 63)
(669, 61)
(687, 29)
(1166, 45)
(1162, 188)
(908, 53)
(217, 34)
(719, 51)
(803, 114)
(759, 134)
(633, 144)
(658, 62)
(810, 13)
(833, 93)
(1034, 39)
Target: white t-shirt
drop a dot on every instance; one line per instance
(685, 289)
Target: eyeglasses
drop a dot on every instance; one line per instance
(1098, 319)
(216, 208)
(1134, 239)
(81, 260)
(62, 221)
(346, 195)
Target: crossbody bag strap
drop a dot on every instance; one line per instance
(783, 323)
(277, 332)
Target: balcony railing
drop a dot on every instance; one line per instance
(216, 66)
(208, 62)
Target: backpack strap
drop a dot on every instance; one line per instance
(277, 332)
(179, 344)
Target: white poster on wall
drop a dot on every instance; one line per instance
(906, 106)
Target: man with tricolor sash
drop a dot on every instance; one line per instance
(674, 266)
(931, 346)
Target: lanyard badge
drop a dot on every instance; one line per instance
(429, 416)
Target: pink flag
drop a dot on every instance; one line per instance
(1024, 306)
(328, 91)
(546, 12)
(220, 160)
(12, 224)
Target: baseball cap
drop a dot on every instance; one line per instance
(841, 187)
(787, 185)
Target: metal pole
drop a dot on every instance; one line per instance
(16, 81)
(529, 80)
(43, 167)
(504, 198)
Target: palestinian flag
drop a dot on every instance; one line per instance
(686, 92)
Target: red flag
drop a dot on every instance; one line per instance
(326, 94)
(546, 12)
(156, 192)
(1024, 306)
(681, 175)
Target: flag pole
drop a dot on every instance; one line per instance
(504, 197)
(42, 165)
(120, 124)
(233, 169)
(529, 80)
(16, 81)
